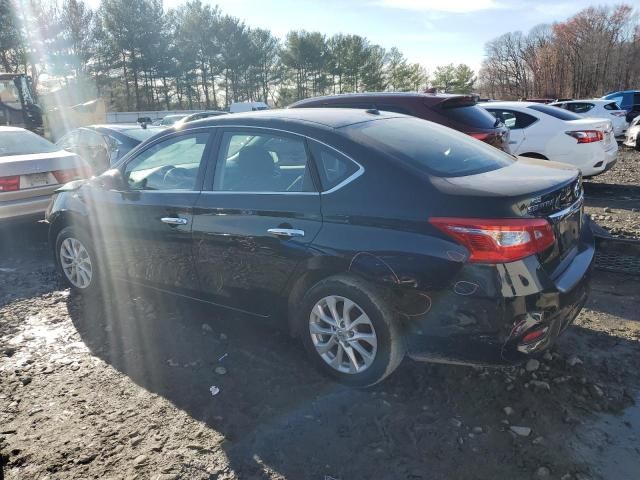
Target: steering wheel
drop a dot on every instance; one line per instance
(175, 175)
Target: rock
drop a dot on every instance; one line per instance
(455, 422)
(223, 337)
(478, 430)
(596, 391)
(139, 461)
(560, 379)
(540, 385)
(172, 363)
(520, 431)
(574, 360)
(26, 381)
(566, 476)
(221, 370)
(543, 472)
(532, 365)
(547, 357)
(206, 328)
(606, 210)
(508, 411)
(538, 441)
(87, 459)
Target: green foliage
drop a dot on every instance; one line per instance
(139, 56)
(452, 79)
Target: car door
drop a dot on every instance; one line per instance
(516, 122)
(144, 228)
(253, 223)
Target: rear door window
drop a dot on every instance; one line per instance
(513, 119)
(333, 167)
(429, 147)
(262, 163)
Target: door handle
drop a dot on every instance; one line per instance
(174, 220)
(286, 232)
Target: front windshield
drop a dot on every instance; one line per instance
(23, 142)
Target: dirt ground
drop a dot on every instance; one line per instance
(613, 198)
(121, 388)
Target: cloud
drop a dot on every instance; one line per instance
(450, 6)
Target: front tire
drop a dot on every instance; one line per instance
(76, 260)
(350, 331)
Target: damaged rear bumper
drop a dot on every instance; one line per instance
(502, 314)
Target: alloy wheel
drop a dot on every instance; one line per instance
(343, 334)
(76, 262)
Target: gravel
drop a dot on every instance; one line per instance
(80, 400)
(612, 199)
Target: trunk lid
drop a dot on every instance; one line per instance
(527, 188)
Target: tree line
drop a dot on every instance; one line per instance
(594, 52)
(138, 56)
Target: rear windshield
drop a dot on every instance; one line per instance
(430, 147)
(24, 143)
(141, 134)
(471, 116)
(555, 112)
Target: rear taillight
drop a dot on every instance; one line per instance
(619, 113)
(64, 176)
(480, 136)
(10, 184)
(498, 240)
(586, 136)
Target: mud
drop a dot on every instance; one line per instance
(120, 387)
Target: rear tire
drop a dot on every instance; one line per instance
(350, 332)
(76, 261)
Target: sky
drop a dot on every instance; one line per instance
(431, 32)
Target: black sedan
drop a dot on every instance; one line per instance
(103, 145)
(375, 234)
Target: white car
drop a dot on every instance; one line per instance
(598, 108)
(31, 169)
(633, 134)
(550, 133)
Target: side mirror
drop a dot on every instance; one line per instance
(112, 180)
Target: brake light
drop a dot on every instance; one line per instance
(10, 184)
(480, 136)
(498, 240)
(619, 113)
(65, 176)
(586, 136)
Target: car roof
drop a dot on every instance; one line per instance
(588, 100)
(326, 117)
(376, 95)
(11, 129)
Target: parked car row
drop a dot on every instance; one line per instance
(375, 234)
(529, 129)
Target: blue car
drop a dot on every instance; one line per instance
(628, 100)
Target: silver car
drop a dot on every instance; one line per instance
(31, 169)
